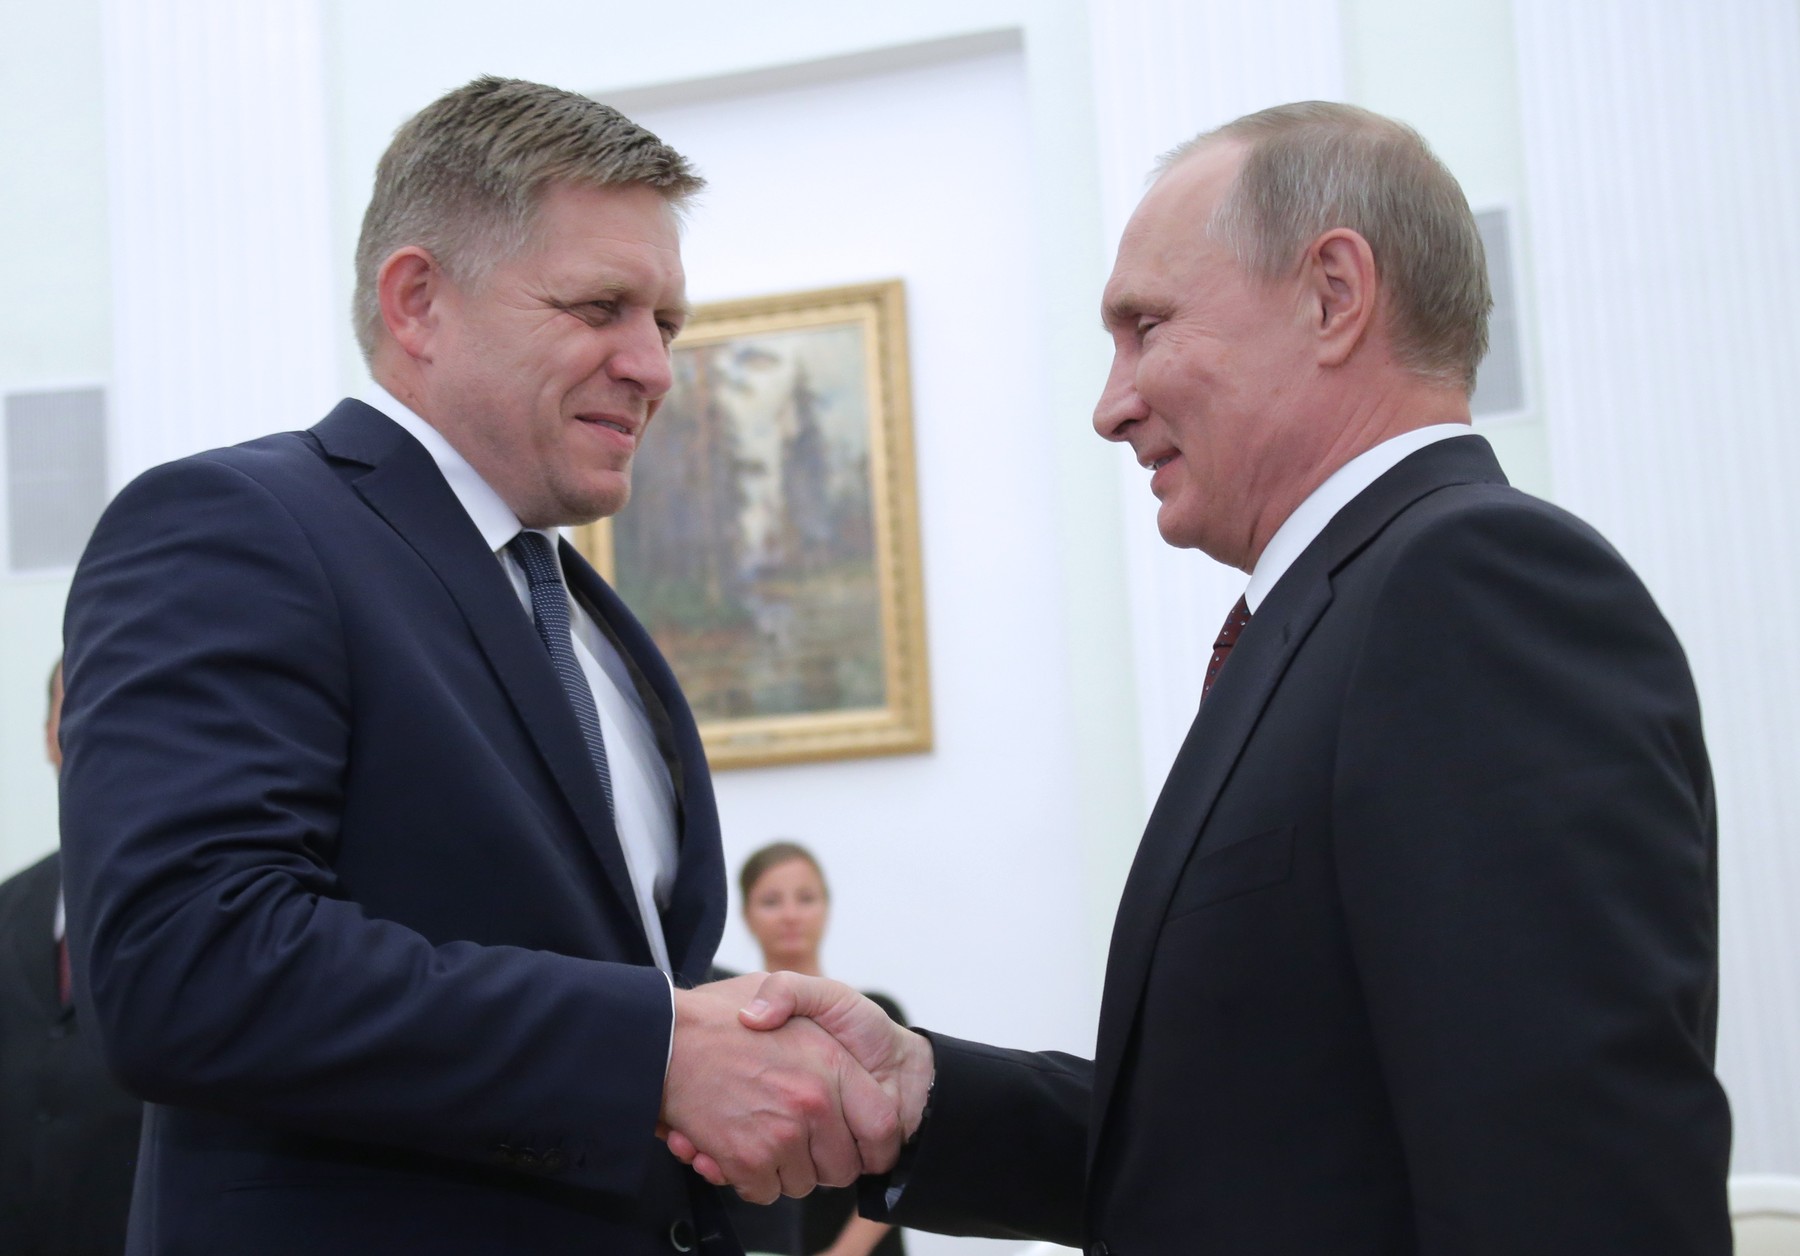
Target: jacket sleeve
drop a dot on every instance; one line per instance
(207, 731)
(1525, 843)
(1003, 1151)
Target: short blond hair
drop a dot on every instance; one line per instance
(1316, 165)
(463, 178)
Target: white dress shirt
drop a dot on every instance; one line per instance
(643, 794)
(1302, 527)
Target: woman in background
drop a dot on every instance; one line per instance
(785, 907)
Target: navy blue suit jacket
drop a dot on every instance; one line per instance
(343, 888)
(1419, 952)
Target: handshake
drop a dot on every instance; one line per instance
(781, 1083)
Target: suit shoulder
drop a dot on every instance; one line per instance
(21, 892)
(1481, 508)
(1488, 527)
(1491, 556)
(270, 460)
(285, 474)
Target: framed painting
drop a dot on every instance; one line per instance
(771, 544)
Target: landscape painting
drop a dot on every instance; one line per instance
(771, 542)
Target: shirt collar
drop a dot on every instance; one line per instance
(1302, 527)
(492, 517)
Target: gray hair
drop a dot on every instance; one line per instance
(463, 178)
(1314, 166)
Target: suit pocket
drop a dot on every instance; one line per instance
(1215, 874)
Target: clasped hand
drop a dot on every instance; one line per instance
(781, 1083)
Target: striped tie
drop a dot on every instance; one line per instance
(550, 611)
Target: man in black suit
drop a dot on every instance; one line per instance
(68, 1133)
(1418, 953)
(390, 843)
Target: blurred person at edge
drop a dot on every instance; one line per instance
(68, 1131)
(786, 908)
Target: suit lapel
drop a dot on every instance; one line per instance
(1202, 766)
(404, 487)
(1225, 721)
(695, 918)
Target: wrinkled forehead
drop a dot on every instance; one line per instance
(1169, 228)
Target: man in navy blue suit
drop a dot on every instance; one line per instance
(391, 848)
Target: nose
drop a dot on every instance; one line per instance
(642, 358)
(1119, 406)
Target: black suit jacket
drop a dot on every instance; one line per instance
(1418, 953)
(342, 882)
(68, 1132)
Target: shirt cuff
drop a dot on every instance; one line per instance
(669, 1057)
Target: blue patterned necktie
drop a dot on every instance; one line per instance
(550, 611)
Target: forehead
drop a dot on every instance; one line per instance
(630, 226)
(1167, 234)
(795, 871)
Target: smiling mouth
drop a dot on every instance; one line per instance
(1160, 463)
(617, 427)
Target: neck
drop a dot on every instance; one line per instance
(1402, 404)
(401, 381)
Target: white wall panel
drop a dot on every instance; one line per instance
(950, 867)
(1165, 70)
(1661, 142)
(219, 221)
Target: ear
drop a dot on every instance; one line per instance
(410, 286)
(1341, 290)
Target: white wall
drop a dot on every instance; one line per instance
(1661, 140)
(223, 313)
(1164, 71)
(963, 859)
(993, 864)
(1449, 71)
(54, 332)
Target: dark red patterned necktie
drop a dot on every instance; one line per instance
(1228, 635)
(65, 982)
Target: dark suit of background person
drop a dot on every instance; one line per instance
(68, 1132)
(344, 886)
(1418, 954)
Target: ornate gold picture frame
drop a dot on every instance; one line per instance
(771, 544)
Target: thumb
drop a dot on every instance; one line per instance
(783, 996)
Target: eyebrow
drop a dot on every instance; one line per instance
(615, 289)
(1120, 309)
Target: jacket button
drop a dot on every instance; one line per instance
(681, 1235)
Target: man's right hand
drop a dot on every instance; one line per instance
(776, 1112)
(898, 1060)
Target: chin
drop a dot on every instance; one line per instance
(1177, 531)
(573, 510)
